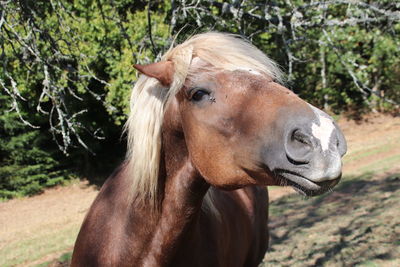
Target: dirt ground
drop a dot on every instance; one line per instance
(55, 206)
(27, 225)
(39, 218)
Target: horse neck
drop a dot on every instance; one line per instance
(183, 193)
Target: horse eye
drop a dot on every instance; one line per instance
(199, 94)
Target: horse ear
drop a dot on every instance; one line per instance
(163, 71)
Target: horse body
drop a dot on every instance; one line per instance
(232, 231)
(208, 125)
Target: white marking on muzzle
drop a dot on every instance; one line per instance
(324, 130)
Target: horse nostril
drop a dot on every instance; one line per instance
(299, 147)
(299, 136)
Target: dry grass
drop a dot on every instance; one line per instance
(32, 228)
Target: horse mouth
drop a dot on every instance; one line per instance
(303, 185)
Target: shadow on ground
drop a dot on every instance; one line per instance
(356, 224)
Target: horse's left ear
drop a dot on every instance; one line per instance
(163, 71)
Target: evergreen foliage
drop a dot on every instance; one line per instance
(29, 159)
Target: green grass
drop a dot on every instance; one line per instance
(394, 141)
(381, 165)
(367, 264)
(367, 152)
(38, 246)
(65, 257)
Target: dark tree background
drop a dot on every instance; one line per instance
(66, 70)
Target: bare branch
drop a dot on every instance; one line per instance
(155, 53)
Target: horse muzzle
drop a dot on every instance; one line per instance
(310, 158)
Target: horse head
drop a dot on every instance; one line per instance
(240, 125)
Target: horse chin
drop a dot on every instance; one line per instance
(305, 186)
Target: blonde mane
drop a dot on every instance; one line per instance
(149, 99)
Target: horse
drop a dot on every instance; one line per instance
(210, 127)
